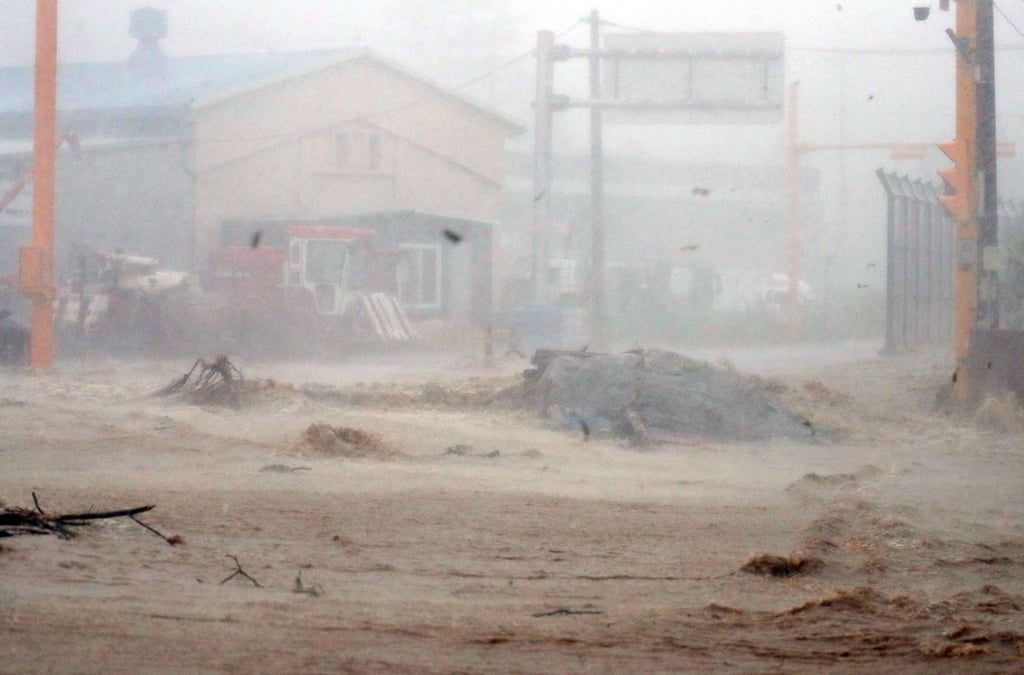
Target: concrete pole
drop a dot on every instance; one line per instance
(793, 221)
(542, 165)
(988, 198)
(597, 309)
(40, 274)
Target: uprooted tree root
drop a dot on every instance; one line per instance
(782, 566)
(324, 439)
(216, 382)
(220, 383)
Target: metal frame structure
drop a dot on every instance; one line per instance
(545, 104)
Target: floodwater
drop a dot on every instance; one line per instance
(467, 536)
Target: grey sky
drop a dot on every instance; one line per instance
(96, 29)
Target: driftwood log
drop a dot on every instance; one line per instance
(15, 520)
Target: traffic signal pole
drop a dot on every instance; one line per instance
(972, 197)
(962, 199)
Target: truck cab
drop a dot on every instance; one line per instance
(328, 262)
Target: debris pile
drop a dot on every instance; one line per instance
(641, 392)
(324, 439)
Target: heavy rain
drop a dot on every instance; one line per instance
(479, 336)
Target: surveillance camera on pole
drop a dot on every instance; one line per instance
(923, 10)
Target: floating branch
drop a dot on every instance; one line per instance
(562, 611)
(239, 572)
(15, 520)
(172, 540)
(315, 589)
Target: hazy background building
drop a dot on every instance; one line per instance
(867, 72)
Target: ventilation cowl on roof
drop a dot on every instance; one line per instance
(148, 25)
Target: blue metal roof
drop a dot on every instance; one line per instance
(165, 83)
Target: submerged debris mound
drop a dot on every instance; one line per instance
(769, 565)
(858, 599)
(1000, 413)
(641, 391)
(324, 439)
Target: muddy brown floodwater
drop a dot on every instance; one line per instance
(437, 533)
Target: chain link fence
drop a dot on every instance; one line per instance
(921, 242)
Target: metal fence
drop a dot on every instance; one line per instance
(919, 264)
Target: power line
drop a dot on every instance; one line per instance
(387, 111)
(871, 52)
(891, 52)
(605, 22)
(827, 50)
(510, 62)
(855, 51)
(1008, 19)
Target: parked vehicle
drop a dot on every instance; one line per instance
(318, 289)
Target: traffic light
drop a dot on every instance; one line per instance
(959, 183)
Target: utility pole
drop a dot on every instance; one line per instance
(961, 200)
(793, 222)
(36, 270)
(542, 164)
(988, 196)
(973, 198)
(597, 313)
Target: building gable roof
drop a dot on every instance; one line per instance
(181, 82)
(171, 82)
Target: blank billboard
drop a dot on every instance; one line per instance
(693, 78)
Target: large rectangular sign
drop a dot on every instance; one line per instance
(694, 78)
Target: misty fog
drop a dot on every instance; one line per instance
(402, 392)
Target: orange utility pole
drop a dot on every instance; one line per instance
(37, 259)
(962, 202)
